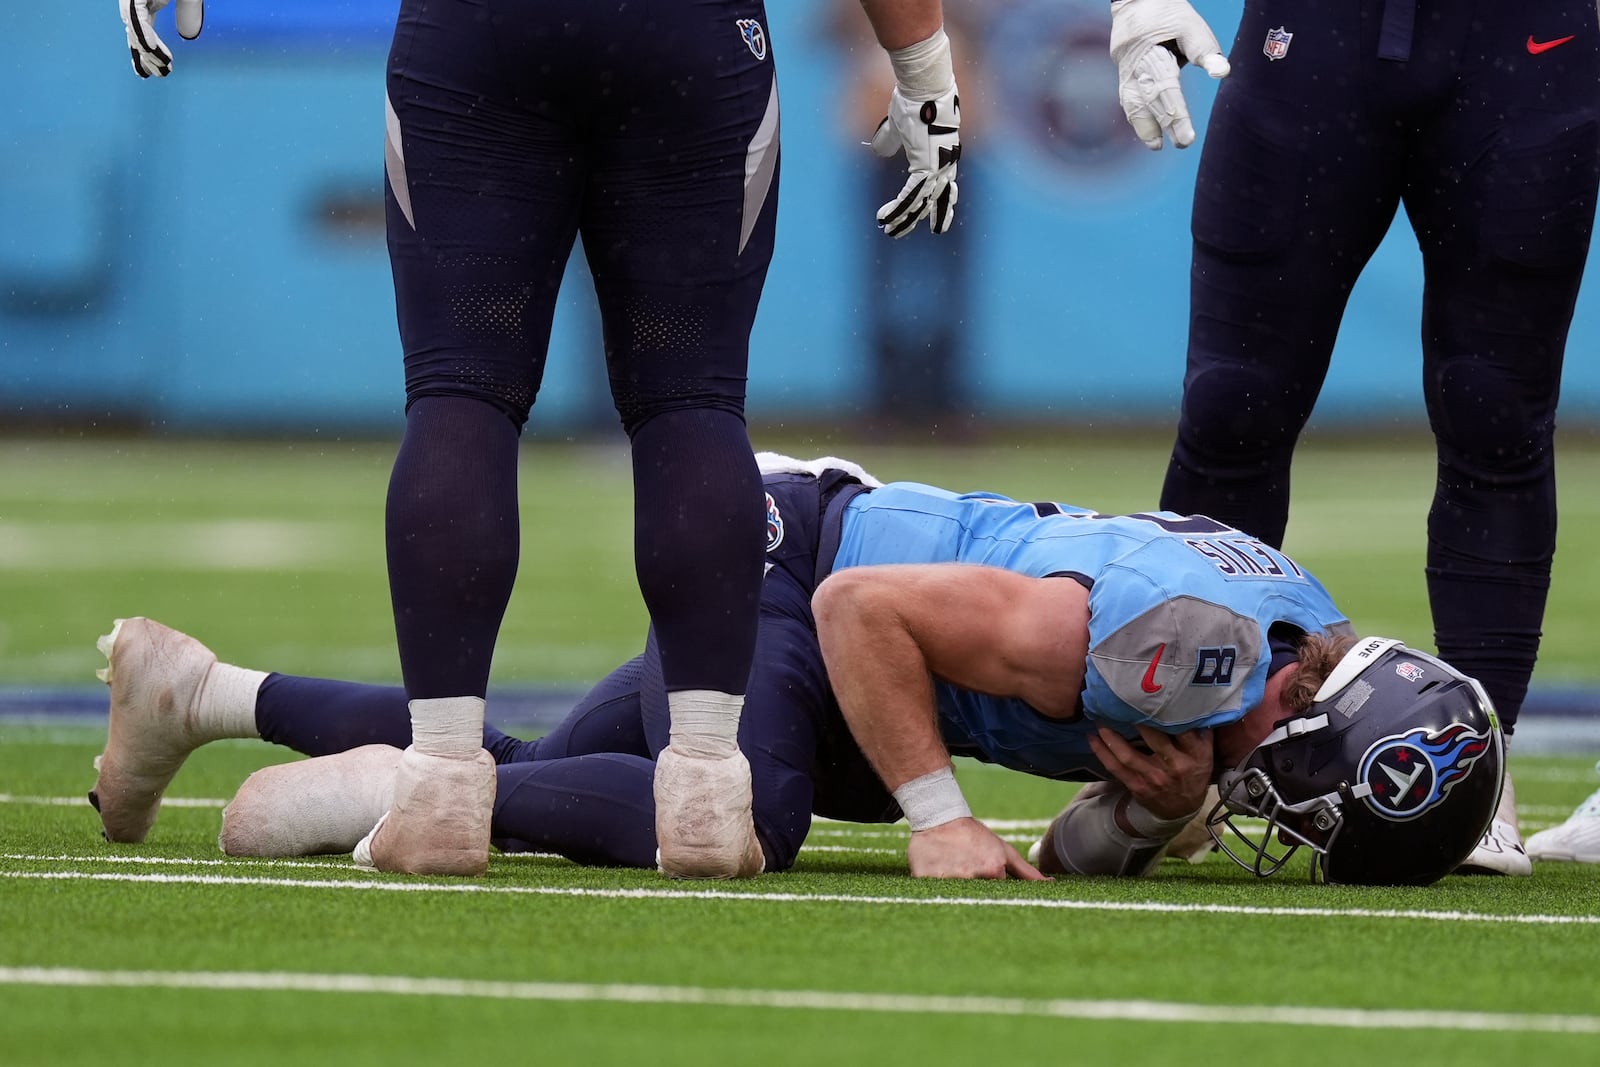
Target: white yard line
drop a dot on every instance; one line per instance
(818, 823)
(750, 896)
(807, 1000)
(331, 864)
(231, 544)
(73, 802)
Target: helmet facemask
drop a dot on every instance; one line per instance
(1249, 793)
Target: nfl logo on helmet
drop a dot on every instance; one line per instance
(1409, 671)
(1277, 45)
(755, 38)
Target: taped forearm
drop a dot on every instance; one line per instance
(1088, 837)
(924, 70)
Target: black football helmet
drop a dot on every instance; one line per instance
(1390, 777)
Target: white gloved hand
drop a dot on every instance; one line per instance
(1147, 39)
(930, 133)
(150, 54)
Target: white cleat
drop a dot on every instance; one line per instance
(1577, 840)
(155, 674)
(1501, 851)
(704, 828)
(438, 821)
(315, 807)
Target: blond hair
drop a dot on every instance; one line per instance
(1318, 654)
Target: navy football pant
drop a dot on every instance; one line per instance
(1439, 106)
(651, 132)
(584, 791)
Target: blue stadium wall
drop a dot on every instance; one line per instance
(206, 252)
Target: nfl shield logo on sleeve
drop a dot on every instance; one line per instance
(1277, 45)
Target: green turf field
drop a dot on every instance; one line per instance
(170, 953)
(273, 552)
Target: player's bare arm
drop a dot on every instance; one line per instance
(887, 632)
(898, 23)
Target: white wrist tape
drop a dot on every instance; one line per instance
(1151, 826)
(923, 71)
(932, 800)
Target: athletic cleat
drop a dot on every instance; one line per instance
(438, 821)
(1501, 851)
(315, 807)
(704, 828)
(155, 674)
(1577, 840)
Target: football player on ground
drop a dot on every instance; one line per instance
(652, 133)
(1482, 119)
(901, 624)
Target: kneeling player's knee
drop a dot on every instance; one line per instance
(780, 855)
(782, 811)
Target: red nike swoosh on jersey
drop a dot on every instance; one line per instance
(1149, 683)
(1536, 47)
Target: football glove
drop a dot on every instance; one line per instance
(929, 131)
(1150, 40)
(150, 54)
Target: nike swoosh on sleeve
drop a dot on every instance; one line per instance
(1148, 683)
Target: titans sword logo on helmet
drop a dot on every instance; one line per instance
(1411, 772)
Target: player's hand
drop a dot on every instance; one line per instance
(1148, 37)
(1170, 780)
(965, 848)
(151, 56)
(929, 132)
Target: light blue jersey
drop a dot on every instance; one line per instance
(1179, 613)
